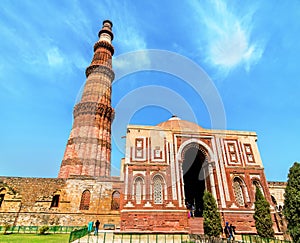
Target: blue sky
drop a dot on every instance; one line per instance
(250, 50)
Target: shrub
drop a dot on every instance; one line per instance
(212, 220)
(291, 209)
(6, 227)
(262, 216)
(43, 229)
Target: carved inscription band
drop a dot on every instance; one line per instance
(104, 44)
(94, 108)
(97, 141)
(100, 69)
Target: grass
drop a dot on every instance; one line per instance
(34, 238)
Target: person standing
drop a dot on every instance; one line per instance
(90, 226)
(228, 231)
(96, 227)
(232, 231)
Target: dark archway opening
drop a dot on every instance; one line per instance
(194, 180)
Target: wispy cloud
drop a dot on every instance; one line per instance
(126, 27)
(130, 36)
(227, 35)
(54, 56)
(36, 46)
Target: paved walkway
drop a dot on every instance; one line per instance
(110, 237)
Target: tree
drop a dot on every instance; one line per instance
(262, 216)
(212, 220)
(291, 209)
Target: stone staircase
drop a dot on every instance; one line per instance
(196, 225)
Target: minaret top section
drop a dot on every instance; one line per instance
(103, 49)
(105, 34)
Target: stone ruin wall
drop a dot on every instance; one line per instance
(27, 201)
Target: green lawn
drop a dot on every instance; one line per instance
(33, 238)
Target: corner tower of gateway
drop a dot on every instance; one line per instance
(88, 150)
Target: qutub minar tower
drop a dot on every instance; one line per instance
(155, 184)
(88, 150)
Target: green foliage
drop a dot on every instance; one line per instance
(43, 229)
(291, 209)
(6, 228)
(212, 220)
(262, 216)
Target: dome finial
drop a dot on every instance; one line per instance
(174, 118)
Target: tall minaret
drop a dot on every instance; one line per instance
(89, 146)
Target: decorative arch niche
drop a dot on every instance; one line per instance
(240, 192)
(138, 189)
(158, 189)
(115, 200)
(256, 184)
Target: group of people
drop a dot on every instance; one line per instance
(191, 209)
(229, 231)
(96, 226)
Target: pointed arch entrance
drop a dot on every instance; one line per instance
(193, 168)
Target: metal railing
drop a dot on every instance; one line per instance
(207, 239)
(118, 237)
(257, 239)
(35, 229)
(78, 233)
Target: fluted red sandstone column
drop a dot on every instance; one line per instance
(89, 145)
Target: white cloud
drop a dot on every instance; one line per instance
(227, 35)
(136, 60)
(54, 57)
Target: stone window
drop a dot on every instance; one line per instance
(1, 199)
(2, 195)
(115, 202)
(248, 149)
(158, 189)
(249, 153)
(139, 153)
(139, 143)
(85, 200)
(238, 191)
(139, 146)
(55, 201)
(138, 184)
(157, 153)
(232, 152)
